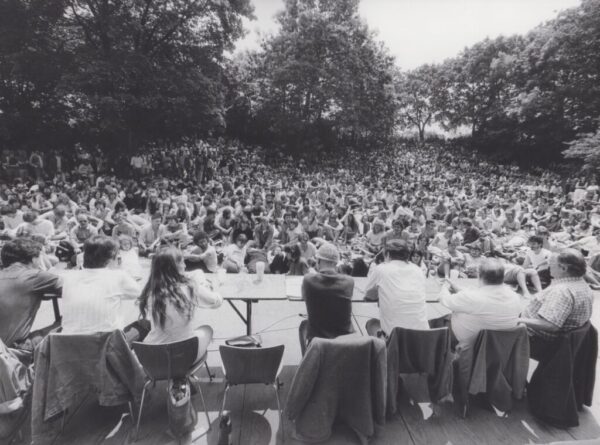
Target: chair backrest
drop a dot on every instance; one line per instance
(500, 348)
(419, 350)
(169, 360)
(251, 365)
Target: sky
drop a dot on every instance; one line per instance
(429, 31)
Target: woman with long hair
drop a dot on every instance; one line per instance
(171, 298)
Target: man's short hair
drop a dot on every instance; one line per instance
(7, 210)
(491, 271)
(574, 261)
(30, 216)
(535, 239)
(20, 250)
(199, 236)
(398, 250)
(98, 251)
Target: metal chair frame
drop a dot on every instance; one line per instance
(276, 384)
(190, 375)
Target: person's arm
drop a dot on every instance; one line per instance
(43, 283)
(527, 263)
(141, 243)
(73, 236)
(59, 236)
(47, 215)
(98, 221)
(552, 314)
(204, 297)
(269, 240)
(456, 300)
(371, 287)
(195, 257)
(539, 323)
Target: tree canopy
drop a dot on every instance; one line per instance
(322, 80)
(123, 73)
(117, 73)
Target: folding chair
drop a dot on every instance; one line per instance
(168, 361)
(244, 366)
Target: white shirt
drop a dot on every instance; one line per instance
(401, 289)
(538, 259)
(39, 227)
(91, 300)
(177, 326)
(11, 223)
(486, 307)
(235, 254)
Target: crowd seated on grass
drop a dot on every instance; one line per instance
(396, 216)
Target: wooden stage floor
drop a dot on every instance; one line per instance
(92, 424)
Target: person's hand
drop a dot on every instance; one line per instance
(451, 286)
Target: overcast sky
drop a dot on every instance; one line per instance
(426, 31)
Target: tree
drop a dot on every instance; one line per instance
(322, 81)
(586, 148)
(150, 69)
(420, 95)
(114, 73)
(32, 61)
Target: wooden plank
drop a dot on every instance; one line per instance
(265, 429)
(482, 426)
(92, 423)
(588, 426)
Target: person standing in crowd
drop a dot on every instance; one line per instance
(399, 286)
(22, 287)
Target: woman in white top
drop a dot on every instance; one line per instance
(172, 297)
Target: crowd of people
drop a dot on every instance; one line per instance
(395, 216)
(229, 205)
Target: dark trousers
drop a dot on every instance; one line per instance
(540, 349)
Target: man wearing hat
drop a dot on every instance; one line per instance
(400, 288)
(328, 297)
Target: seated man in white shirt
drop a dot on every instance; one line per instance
(492, 305)
(92, 298)
(400, 286)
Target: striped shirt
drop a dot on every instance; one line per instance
(92, 300)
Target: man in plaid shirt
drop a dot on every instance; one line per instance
(563, 306)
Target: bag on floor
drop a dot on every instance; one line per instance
(181, 410)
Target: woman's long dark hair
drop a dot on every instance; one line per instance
(166, 283)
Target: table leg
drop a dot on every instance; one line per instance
(248, 317)
(357, 324)
(57, 316)
(237, 311)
